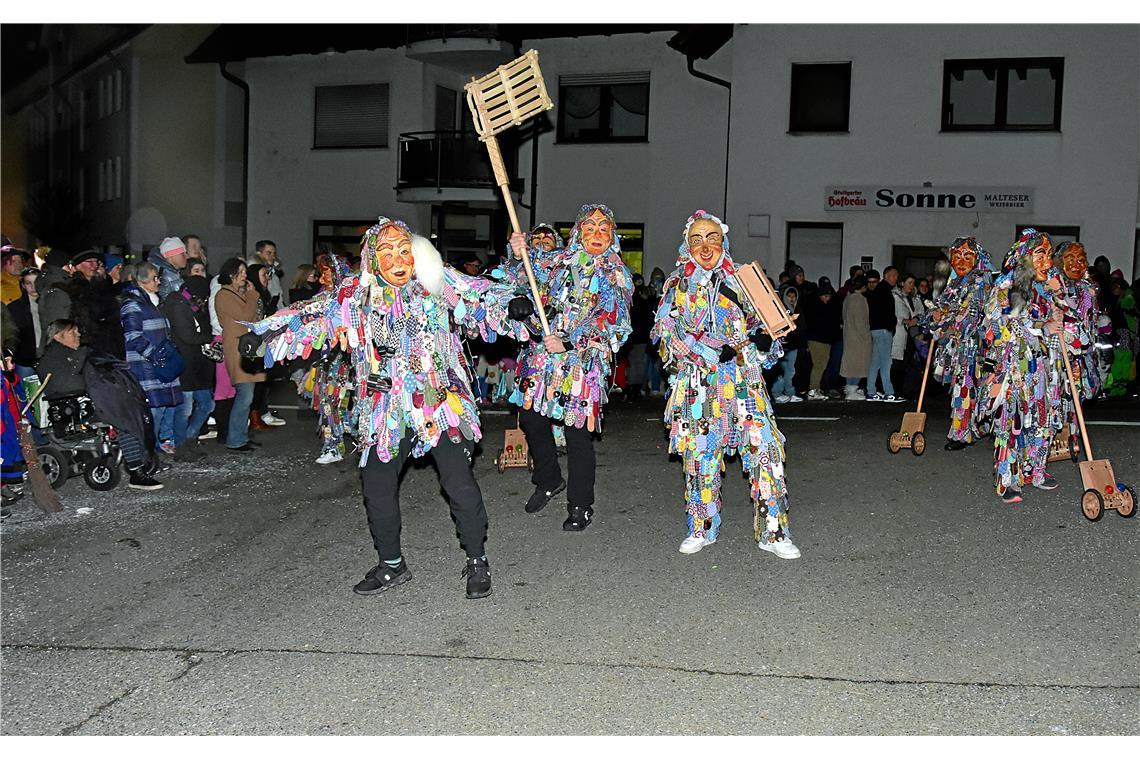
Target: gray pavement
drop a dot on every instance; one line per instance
(922, 604)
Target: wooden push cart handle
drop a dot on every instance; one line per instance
(1076, 398)
(926, 372)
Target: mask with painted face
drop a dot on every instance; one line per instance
(594, 231)
(706, 242)
(964, 255)
(393, 260)
(1073, 260)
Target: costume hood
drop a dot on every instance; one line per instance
(575, 244)
(559, 243)
(428, 262)
(972, 243)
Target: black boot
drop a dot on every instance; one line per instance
(541, 497)
(579, 519)
(478, 574)
(383, 577)
(955, 445)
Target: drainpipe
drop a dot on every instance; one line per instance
(244, 154)
(728, 127)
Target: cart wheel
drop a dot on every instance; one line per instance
(500, 462)
(917, 444)
(1128, 506)
(893, 444)
(529, 462)
(55, 465)
(1092, 505)
(102, 473)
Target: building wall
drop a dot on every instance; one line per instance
(292, 185)
(183, 116)
(658, 183)
(13, 177)
(1085, 175)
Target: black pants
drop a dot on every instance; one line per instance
(580, 462)
(381, 481)
(261, 398)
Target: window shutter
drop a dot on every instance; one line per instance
(622, 77)
(351, 116)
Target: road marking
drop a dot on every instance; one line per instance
(284, 406)
(1119, 423)
(821, 419)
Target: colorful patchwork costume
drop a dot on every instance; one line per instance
(588, 289)
(709, 335)
(1027, 376)
(413, 381)
(955, 321)
(1080, 328)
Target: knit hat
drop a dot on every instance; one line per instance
(57, 257)
(198, 286)
(110, 261)
(90, 253)
(171, 246)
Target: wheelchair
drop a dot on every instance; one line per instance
(75, 442)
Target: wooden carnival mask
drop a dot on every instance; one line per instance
(596, 232)
(394, 260)
(963, 259)
(1042, 256)
(1074, 261)
(706, 243)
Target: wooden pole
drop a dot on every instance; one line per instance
(504, 185)
(1076, 398)
(926, 373)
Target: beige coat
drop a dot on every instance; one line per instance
(231, 306)
(856, 336)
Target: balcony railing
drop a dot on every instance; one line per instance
(424, 32)
(449, 159)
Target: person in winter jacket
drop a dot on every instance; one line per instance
(189, 319)
(149, 347)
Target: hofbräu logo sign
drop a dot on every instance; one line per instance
(901, 198)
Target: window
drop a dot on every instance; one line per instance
(1002, 94)
(351, 116)
(631, 236)
(1057, 233)
(100, 187)
(339, 236)
(604, 108)
(118, 104)
(445, 108)
(821, 97)
(118, 176)
(818, 248)
(83, 98)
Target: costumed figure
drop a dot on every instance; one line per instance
(563, 379)
(1080, 327)
(12, 463)
(397, 321)
(1021, 331)
(711, 338)
(330, 384)
(955, 322)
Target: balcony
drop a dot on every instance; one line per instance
(449, 166)
(465, 48)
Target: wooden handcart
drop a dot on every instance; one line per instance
(910, 434)
(515, 451)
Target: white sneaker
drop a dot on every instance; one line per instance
(781, 399)
(894, 399)
(694, 544)
(783, 549)
(208, 435)
(814, 395)
(269, 419)
(329, 456)
(211, 421)
(854, 393)
(794, 399)
(876, 397)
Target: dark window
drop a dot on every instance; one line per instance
(818, 248)
(1057, 233)
(351, 116)
(1002, 94)
(631, 236)
(340, 236)
(445, 100)
(604, 108)
(821, 97)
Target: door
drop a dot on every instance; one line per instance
(918, 260)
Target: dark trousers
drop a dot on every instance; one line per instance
(381, 481)
(580, 462)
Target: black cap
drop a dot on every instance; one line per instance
(90, 253)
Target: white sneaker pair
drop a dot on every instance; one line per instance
(694, 544)
(783, 549)
(329, 456)
(269, 419)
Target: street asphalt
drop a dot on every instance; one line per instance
(922, 604)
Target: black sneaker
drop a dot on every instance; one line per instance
(1048, 483)
(955, 445)
(579, 519)
(245, 448)
(478, 574)
(142, 481)
(541, 497)
(383, 577)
